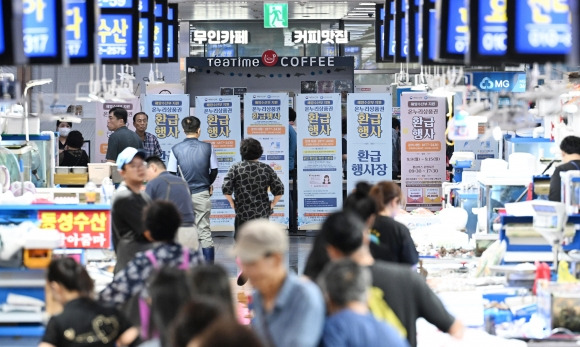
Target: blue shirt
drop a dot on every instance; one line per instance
(297, 318)
(292, 143)
(350, 329)
(173, 188)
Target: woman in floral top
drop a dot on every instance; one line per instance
(249, 181)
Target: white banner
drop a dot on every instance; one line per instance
(319, 158)
(266, 120)
(423, 147)
(220, 126)
(369, 138)
(102, 133)
(165, 112)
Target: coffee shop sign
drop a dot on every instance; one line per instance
(282, 61)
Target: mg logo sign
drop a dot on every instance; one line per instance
(487, 84)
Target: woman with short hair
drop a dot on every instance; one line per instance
(247, 183)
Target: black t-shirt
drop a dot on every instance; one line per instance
(77, 157)
(555, 180)
(85, 322)
(399, 290)
(391, 241)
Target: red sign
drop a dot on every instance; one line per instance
(269, 58)
(81, 229)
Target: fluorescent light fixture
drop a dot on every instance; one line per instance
(367, 4)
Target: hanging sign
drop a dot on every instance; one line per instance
(160, 31)
(266, 120)
(423, 150)
(81, 229)
(172, 38)
(319, 158)
(166, 111)
(102, 133)
(220, 126)
(369, 135)
(42, 24)
(80, 30)
(146, 27)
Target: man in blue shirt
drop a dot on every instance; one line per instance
(288, 311)
(161, 185)
(345, 285)
(196, 162)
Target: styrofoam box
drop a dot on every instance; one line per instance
(98, 171)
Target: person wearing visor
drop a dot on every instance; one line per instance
(127, 207)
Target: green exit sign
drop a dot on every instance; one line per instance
(276, 15)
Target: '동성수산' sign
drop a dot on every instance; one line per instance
(319, 158)
(423, 150)
(220, 126)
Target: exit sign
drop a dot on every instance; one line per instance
(276, 15)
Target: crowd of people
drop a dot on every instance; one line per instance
(359, 286)
(167, 295)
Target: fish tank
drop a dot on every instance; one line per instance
(31, 160)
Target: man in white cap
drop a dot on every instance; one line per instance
(127, 207)
(288, 311)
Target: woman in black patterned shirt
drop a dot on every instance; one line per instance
(249, 181)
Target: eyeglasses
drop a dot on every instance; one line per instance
(141, 121)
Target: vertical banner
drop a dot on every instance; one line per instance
(102, 133)
(266, 120)
(319, 158)
(423, 149)
(369, 138)
(220, 126)
(165, 112)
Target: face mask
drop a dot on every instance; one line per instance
(63, 131)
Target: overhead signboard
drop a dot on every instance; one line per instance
(276, 15)
(390, 44)
(488, 32)
(453, 39)
(80, 31)
(412, 31)
(401, 44)
(118, 32)
(320, 36)
(172, 29)
(380, 32)
(215, 37)
(11, 43)
(540, 31)
(146, 27)
(42, 30)
(514, 82)
(160, 32)
(428, 32)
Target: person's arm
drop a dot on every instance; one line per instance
(129, 335)
(156, 147)
(52, 334)
(172, 163)
(307, 331)
(124, 286)
(231, 201)
(213, 165)
(429, 306)
(408, 253)
(275, 201)
(213, 175)
(127, 217)
(112, 145)
(555, 186)
(229, 185)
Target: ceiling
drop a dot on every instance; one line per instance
(252, 10)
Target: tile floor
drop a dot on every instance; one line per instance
(300, 245)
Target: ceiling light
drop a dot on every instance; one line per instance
(367, 4)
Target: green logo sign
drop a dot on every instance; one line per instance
(276, 15)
